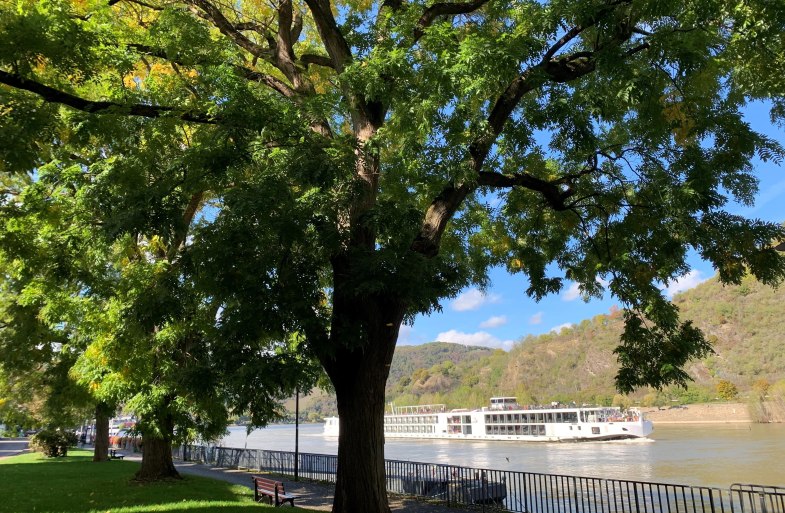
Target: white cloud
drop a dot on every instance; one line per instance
(494, 322)
(560, 327)
(536, 318)
(572, 293)
(473, 299)
(690, 280)
(480, 338)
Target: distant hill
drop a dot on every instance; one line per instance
(744, 323)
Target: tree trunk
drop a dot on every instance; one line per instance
(361, 486)
(103, 411)
(157, 461)
(359, 373)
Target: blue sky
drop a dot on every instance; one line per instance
(504, 314)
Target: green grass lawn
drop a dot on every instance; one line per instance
(31, 482)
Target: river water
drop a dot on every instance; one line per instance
(691, 454)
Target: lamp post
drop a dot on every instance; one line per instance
(296, 434)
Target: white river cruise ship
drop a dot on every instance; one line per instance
(505, 419)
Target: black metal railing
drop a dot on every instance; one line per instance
(520, 492)
(757, 499)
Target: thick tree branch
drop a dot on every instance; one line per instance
(181, 235)
(319, 60)
(270, 81)
(52, 95)
(334, 42)
(554, 194)
(297, 25)
(444, 9)
(284, 55)
(438, 215)
(563, 69)
(216, 17)
(566, 38)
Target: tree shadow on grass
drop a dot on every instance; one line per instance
(75, 483)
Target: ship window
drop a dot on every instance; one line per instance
(467, 419)
(542, 430)
(595, 431)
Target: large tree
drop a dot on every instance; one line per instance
(386, 154)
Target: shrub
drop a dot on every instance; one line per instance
(727, 390)
(53, 442)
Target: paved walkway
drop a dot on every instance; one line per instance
(315, 496)
(12, 446)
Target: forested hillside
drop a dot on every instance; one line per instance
(744, 323)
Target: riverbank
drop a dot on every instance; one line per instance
(716, 413)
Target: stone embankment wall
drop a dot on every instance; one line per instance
(700, 413)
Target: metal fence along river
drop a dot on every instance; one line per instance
(504, 490)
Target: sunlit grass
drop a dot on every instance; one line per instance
(32, 482)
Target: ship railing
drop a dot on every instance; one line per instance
(757, 499)
(504, 490)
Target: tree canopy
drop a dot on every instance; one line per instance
(340, 167)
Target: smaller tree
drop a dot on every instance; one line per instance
(727, 390)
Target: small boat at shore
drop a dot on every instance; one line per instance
(505, 419)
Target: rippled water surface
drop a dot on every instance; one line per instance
(694, 454)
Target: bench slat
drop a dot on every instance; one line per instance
(272, 489)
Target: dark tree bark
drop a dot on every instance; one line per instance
(359, 370)
(157, 463)
(103, 412)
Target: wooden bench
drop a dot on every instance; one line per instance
(274, 490)
(113, 454)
